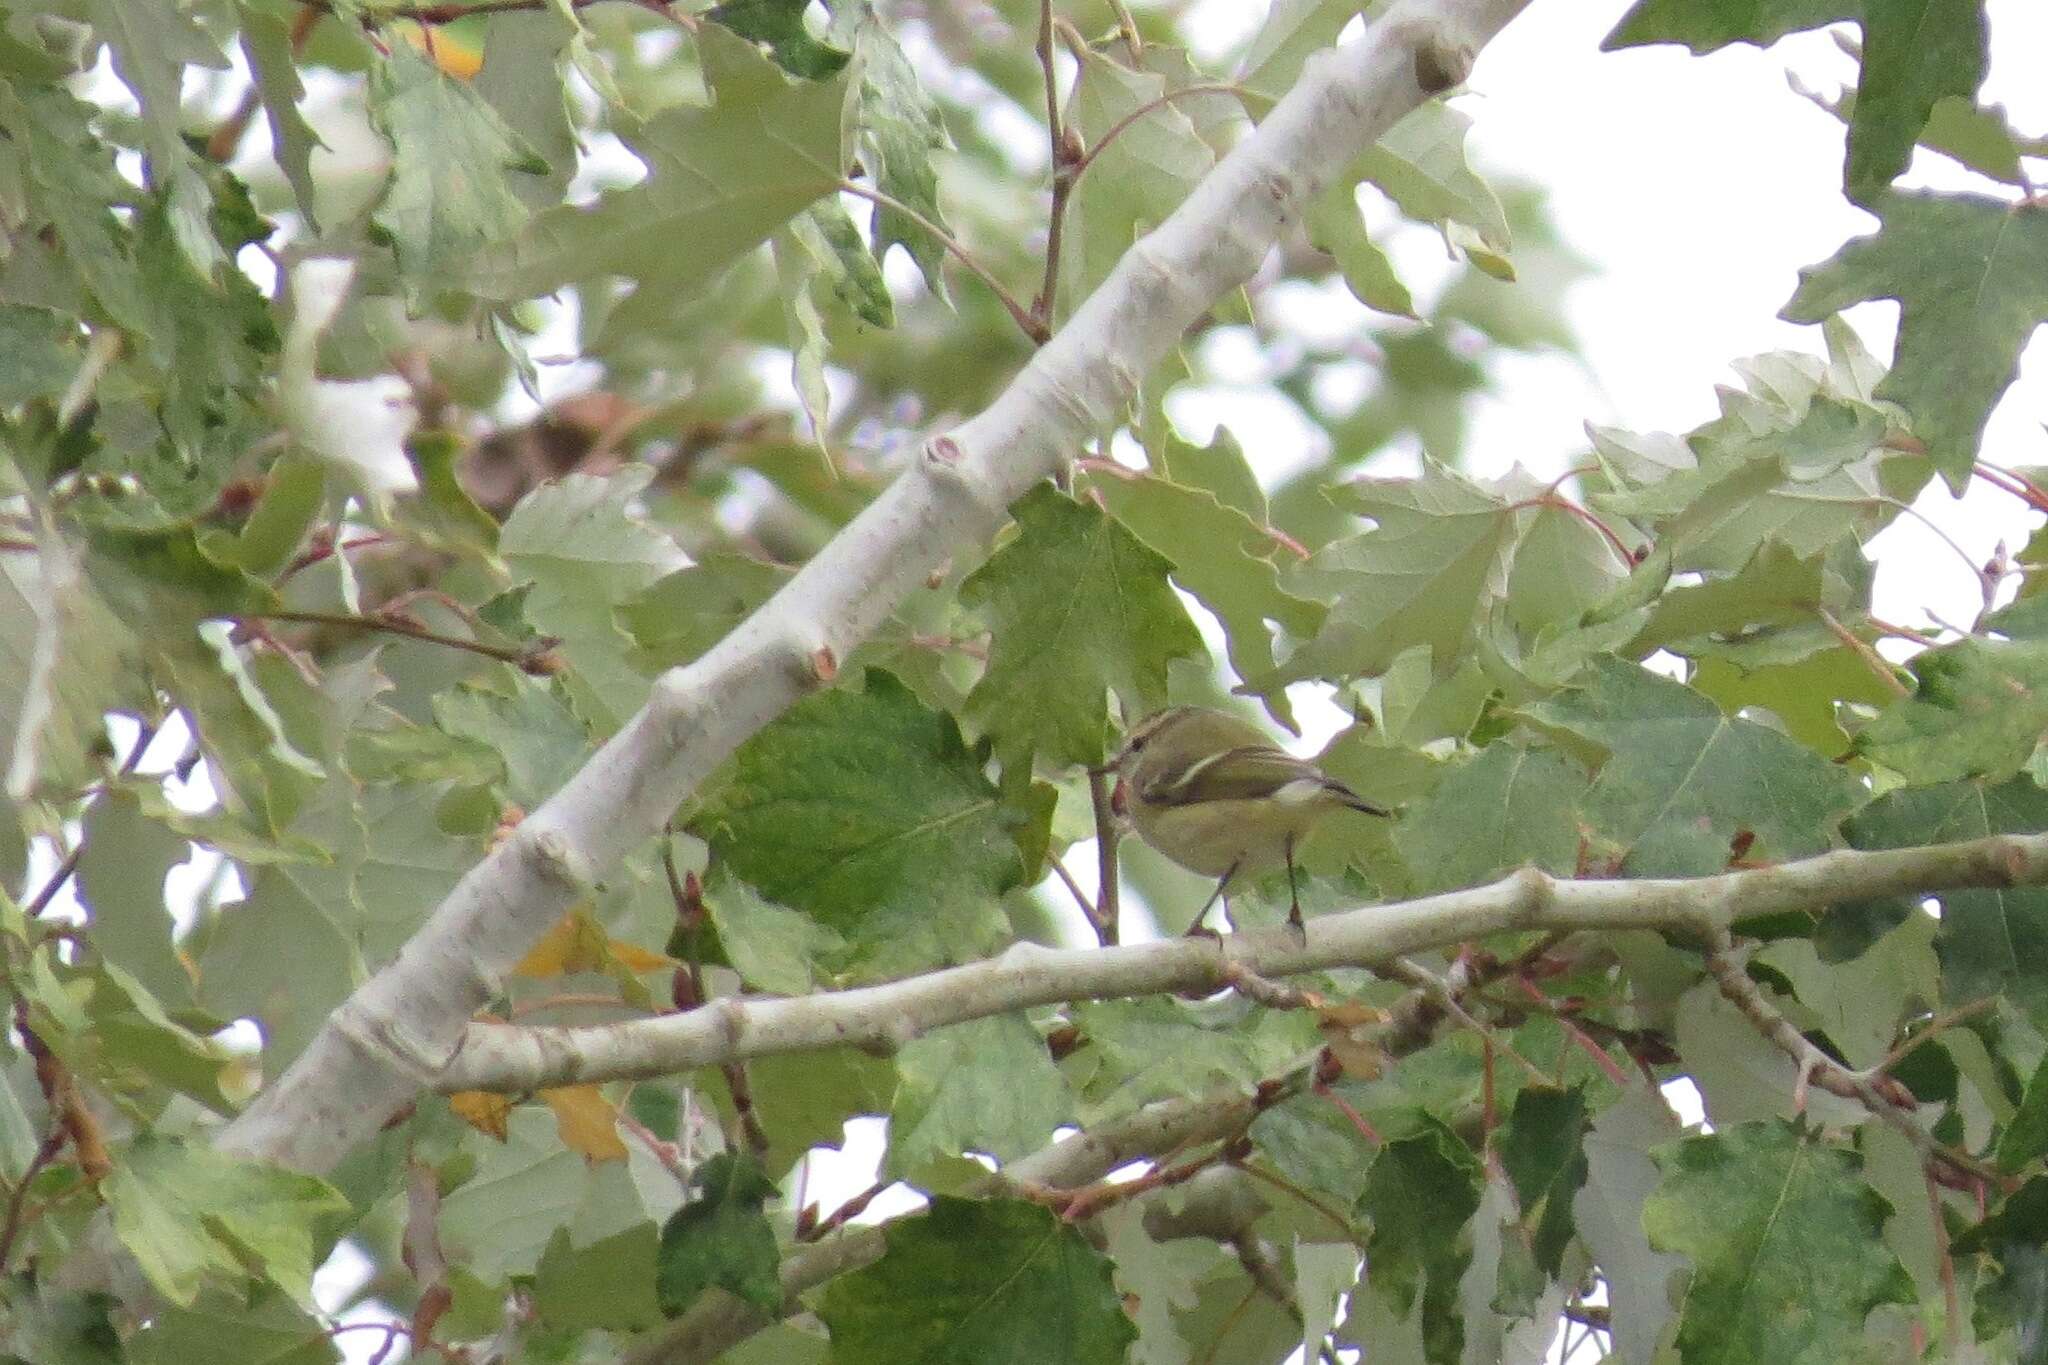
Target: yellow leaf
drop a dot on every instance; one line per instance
(460, 57)
(587, 1121)
(482, 1110)
(577, 943)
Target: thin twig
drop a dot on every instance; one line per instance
(537, 656)
(1308, 1197)
(1065, 159)
(1149, 106)
(1108, 831)
(1816, 1067)
(1038, 331)
(1415, 974)
(1878, 665)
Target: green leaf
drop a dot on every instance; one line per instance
(984, 1086)
(1419, 1194)
(1078, 607)
(525, 1191)
(772, 947)
(1992, 939)
(721, 1237)
(151, 46)
(720, 180)
(1510, 807)
(1421, 166)
(1680, 779)
(855, 274)
(679, 616)
(779, 24)
(1774, 588)
(1229, 562)
(866, 810)
(449, 197)
(2025, 1138)
(121, 883)
(1608, 1211)
(1915, 53)
(1803, 695)
(1134, 180)
(1704, 25)
(44, 354)
(1977, 710)
(1971, 277)
(1784, 1238)
(899, 127)
(607, 1285)
(65, 661)
(1336, 227)
(1542, 1150)
(797, 266)
(190, 1214)
(266, 1327)
(995, 1282)
(586, 550)
(267, 43)
(134, 1032)
(1425, 574)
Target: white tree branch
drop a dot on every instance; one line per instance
(511, 1058)
(403, 1026)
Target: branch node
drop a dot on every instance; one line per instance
(559, 861)
(1441, 63)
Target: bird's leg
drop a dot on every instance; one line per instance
(1198, 929)
(1293, 893)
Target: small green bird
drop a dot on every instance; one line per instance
(1212, 793)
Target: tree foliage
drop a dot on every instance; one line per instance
(330, 608)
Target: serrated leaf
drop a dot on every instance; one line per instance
(866, 810)
(1425, 574)
(1971, 277)
(1784, 1237)
(1509, 807)
(1336, 228)
(1419, 1194)
(899, 128)
(1608, 1211)
(267, 44)
(1915, 53)
(779, 24)
(995, 1282)
(1992, 939)
(1680, 779)
(1704, 25)
(121, 873)
(1421, 165)
(449, 196)
(1978, 709)
(586, 549)
(1133, 181)
(988, 1085)
(1542, 1150)
(721, 1237)
(1078, 608)
(1232, 564)
(796, 267)
(190, 1214)
(721, 180)
(772, 947)
(525, 1191)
